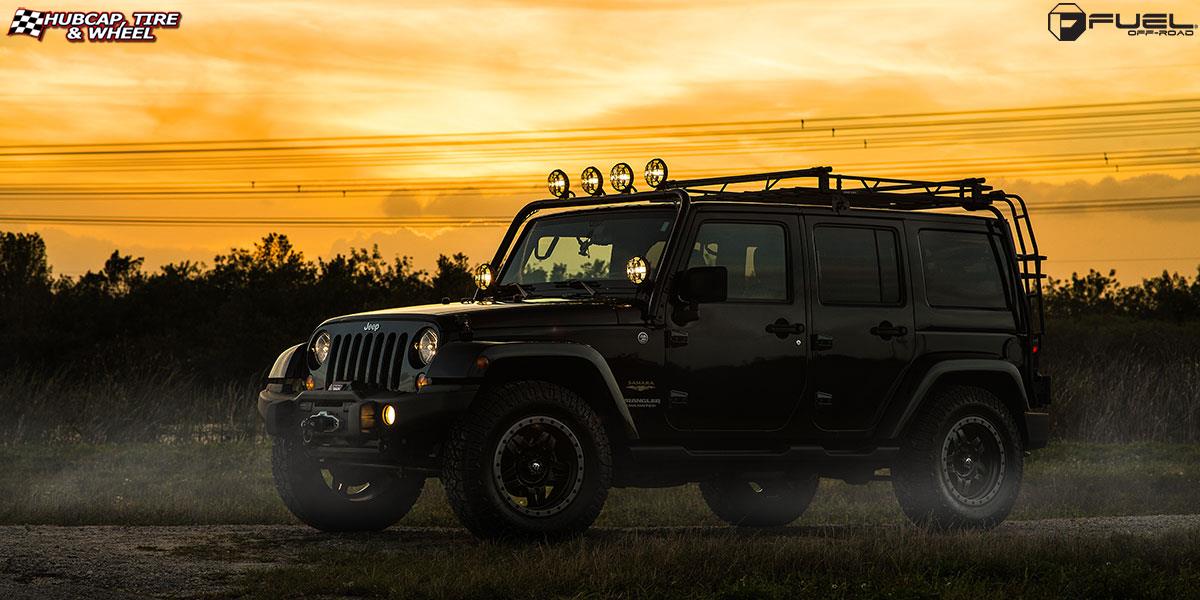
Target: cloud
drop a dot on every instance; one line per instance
(1149, 185)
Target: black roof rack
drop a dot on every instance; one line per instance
(841, 192)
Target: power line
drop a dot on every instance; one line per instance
(331, 222)
(652, 127)
(447, 221)
(532, 180)
(1140, 259)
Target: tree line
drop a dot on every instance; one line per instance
(229, 319)
(216, 322)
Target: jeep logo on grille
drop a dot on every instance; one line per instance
(371, 326)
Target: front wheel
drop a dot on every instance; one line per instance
(340, 498)
(961, 462)
(530, 460)
(767, 503)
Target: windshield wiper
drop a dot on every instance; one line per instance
(578, 284)
(514, 285)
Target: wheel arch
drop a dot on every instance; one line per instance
(999, 377)
(578, 367)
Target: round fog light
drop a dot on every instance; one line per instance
(389, 415)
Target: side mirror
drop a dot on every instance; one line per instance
(702, 285)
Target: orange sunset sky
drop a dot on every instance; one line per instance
(420, 124)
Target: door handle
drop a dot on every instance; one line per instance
(887, 331)
(822, 342)
(782, 328)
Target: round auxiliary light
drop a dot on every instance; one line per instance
(389, 415)
(636, 269)
(559, 184)
(621, 177)
(592, 181)
(320, 347)
(656, 173)
(483, 276)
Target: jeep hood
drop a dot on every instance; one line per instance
(539, 312)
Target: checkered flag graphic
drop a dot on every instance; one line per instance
(27, 22)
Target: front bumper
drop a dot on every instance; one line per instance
(421, 419)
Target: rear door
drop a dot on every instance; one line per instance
(742, 364)
(862, 318)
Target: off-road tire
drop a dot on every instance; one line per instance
(922, 477)
(310, 497)
(770, 503)
(469, 471)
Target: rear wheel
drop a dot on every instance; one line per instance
(531, 460)
(961, 462)
(767, 503)
(340, 498)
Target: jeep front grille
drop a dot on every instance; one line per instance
(373, 359)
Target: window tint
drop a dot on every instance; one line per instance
(755, 255)
(590, 246)
(857, 265)
(962, 270)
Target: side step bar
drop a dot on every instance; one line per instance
(791, 455)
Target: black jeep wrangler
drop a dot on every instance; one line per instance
(732, 331)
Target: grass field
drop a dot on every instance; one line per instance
(728, 563)
(873, 554)
(231, 483)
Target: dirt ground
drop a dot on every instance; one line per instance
(181, 562)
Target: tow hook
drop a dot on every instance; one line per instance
(322, 422)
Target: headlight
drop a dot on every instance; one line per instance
(320, 347)
(426, 346)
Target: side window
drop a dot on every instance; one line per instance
(857, 265)
(962, 270)
(755, 254)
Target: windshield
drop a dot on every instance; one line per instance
(587, 251)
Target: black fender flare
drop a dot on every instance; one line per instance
(289, 365)
(958, 366)
(462, 360)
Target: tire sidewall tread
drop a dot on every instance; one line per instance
(302, 488)
(916, 477)
(466, 471)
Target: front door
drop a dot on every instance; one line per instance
(862, 319)
(742, 363)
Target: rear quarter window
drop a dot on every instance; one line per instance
(962, 270)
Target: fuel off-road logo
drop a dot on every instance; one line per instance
(1068, 21)
(110, 26)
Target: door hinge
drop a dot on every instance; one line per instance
(676, 339)
(824, 399)
(678, 397)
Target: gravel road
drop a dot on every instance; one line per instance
(180, 562)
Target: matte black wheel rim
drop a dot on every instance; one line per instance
(538, 466)
(973, 461)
